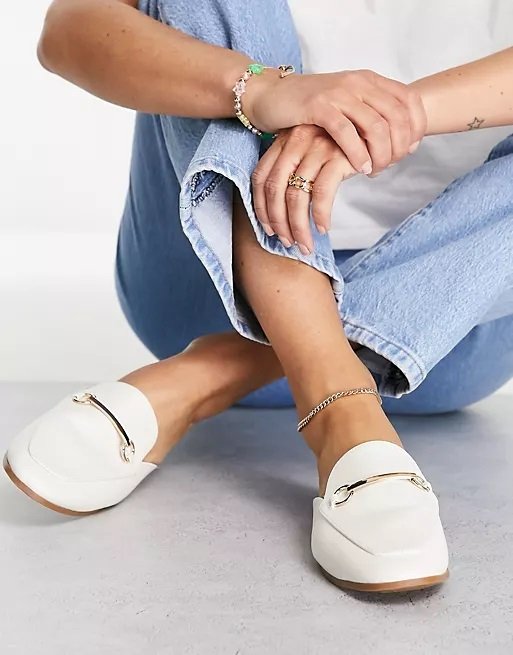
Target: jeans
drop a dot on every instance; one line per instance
(431, 303)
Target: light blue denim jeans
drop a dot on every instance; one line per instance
(431, 303)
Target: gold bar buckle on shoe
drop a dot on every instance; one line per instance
(127, 447)
(347, 490)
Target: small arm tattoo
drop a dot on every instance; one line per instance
(476, 123)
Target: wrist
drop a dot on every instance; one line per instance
(428, 92)
(256, 100)
(231, 73)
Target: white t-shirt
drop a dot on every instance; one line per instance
(404, 40)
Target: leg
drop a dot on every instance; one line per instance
(389, 536)
(296, 308)
(170, 301)
(165, 291)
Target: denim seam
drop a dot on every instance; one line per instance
(163, 17)
(210, 188)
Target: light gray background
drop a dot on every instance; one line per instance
(63, 174)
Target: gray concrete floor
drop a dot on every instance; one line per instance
(211, 555)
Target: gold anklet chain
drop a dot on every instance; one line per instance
(331, 399)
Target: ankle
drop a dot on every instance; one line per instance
(348, 373)
(343, 418)
(346, 423)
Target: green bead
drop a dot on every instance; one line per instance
(267, 136)
(256, 69)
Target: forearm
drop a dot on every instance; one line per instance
(112, 50)
(478, 94)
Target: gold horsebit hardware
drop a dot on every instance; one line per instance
(347, 490)
(127, 447)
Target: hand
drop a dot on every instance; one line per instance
(284, 210)
(375, 121)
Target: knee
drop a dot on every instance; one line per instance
(154, 330)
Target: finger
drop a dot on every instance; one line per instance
(344, 133)
(409, 97)
(374, 128)
(258, 178)
(325, 189)
(397, 116)
(277, 183)
(298, 203)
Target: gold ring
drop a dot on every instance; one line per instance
(300, 183)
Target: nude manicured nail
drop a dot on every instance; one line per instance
(268, 230)
(321, 229)
(304, 249)
(413, 147)
(367, 168)
(285, 242)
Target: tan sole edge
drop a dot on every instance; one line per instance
(39, 499)
(388, 587)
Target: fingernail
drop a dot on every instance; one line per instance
(367, 168)
(268, 230)
(304, 249)
(413, 147)
(285, 242)
(320, 228)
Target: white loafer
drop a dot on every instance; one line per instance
(86, 453)
(378, 527)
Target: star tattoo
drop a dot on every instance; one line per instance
(476, 123)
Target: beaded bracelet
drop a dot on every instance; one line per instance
(240, 88)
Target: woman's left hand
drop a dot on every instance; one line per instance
(307, 151)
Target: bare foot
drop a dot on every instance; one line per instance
(210, 375)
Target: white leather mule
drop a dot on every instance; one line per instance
(378, 528)
(86, 453)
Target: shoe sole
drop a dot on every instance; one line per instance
(388, 587)
(39, 499)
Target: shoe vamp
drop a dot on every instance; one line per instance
(79, 444)
(398, 520)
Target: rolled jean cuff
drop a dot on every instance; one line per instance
(397, 369)
(206, 214)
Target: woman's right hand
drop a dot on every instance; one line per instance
(374, 120)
